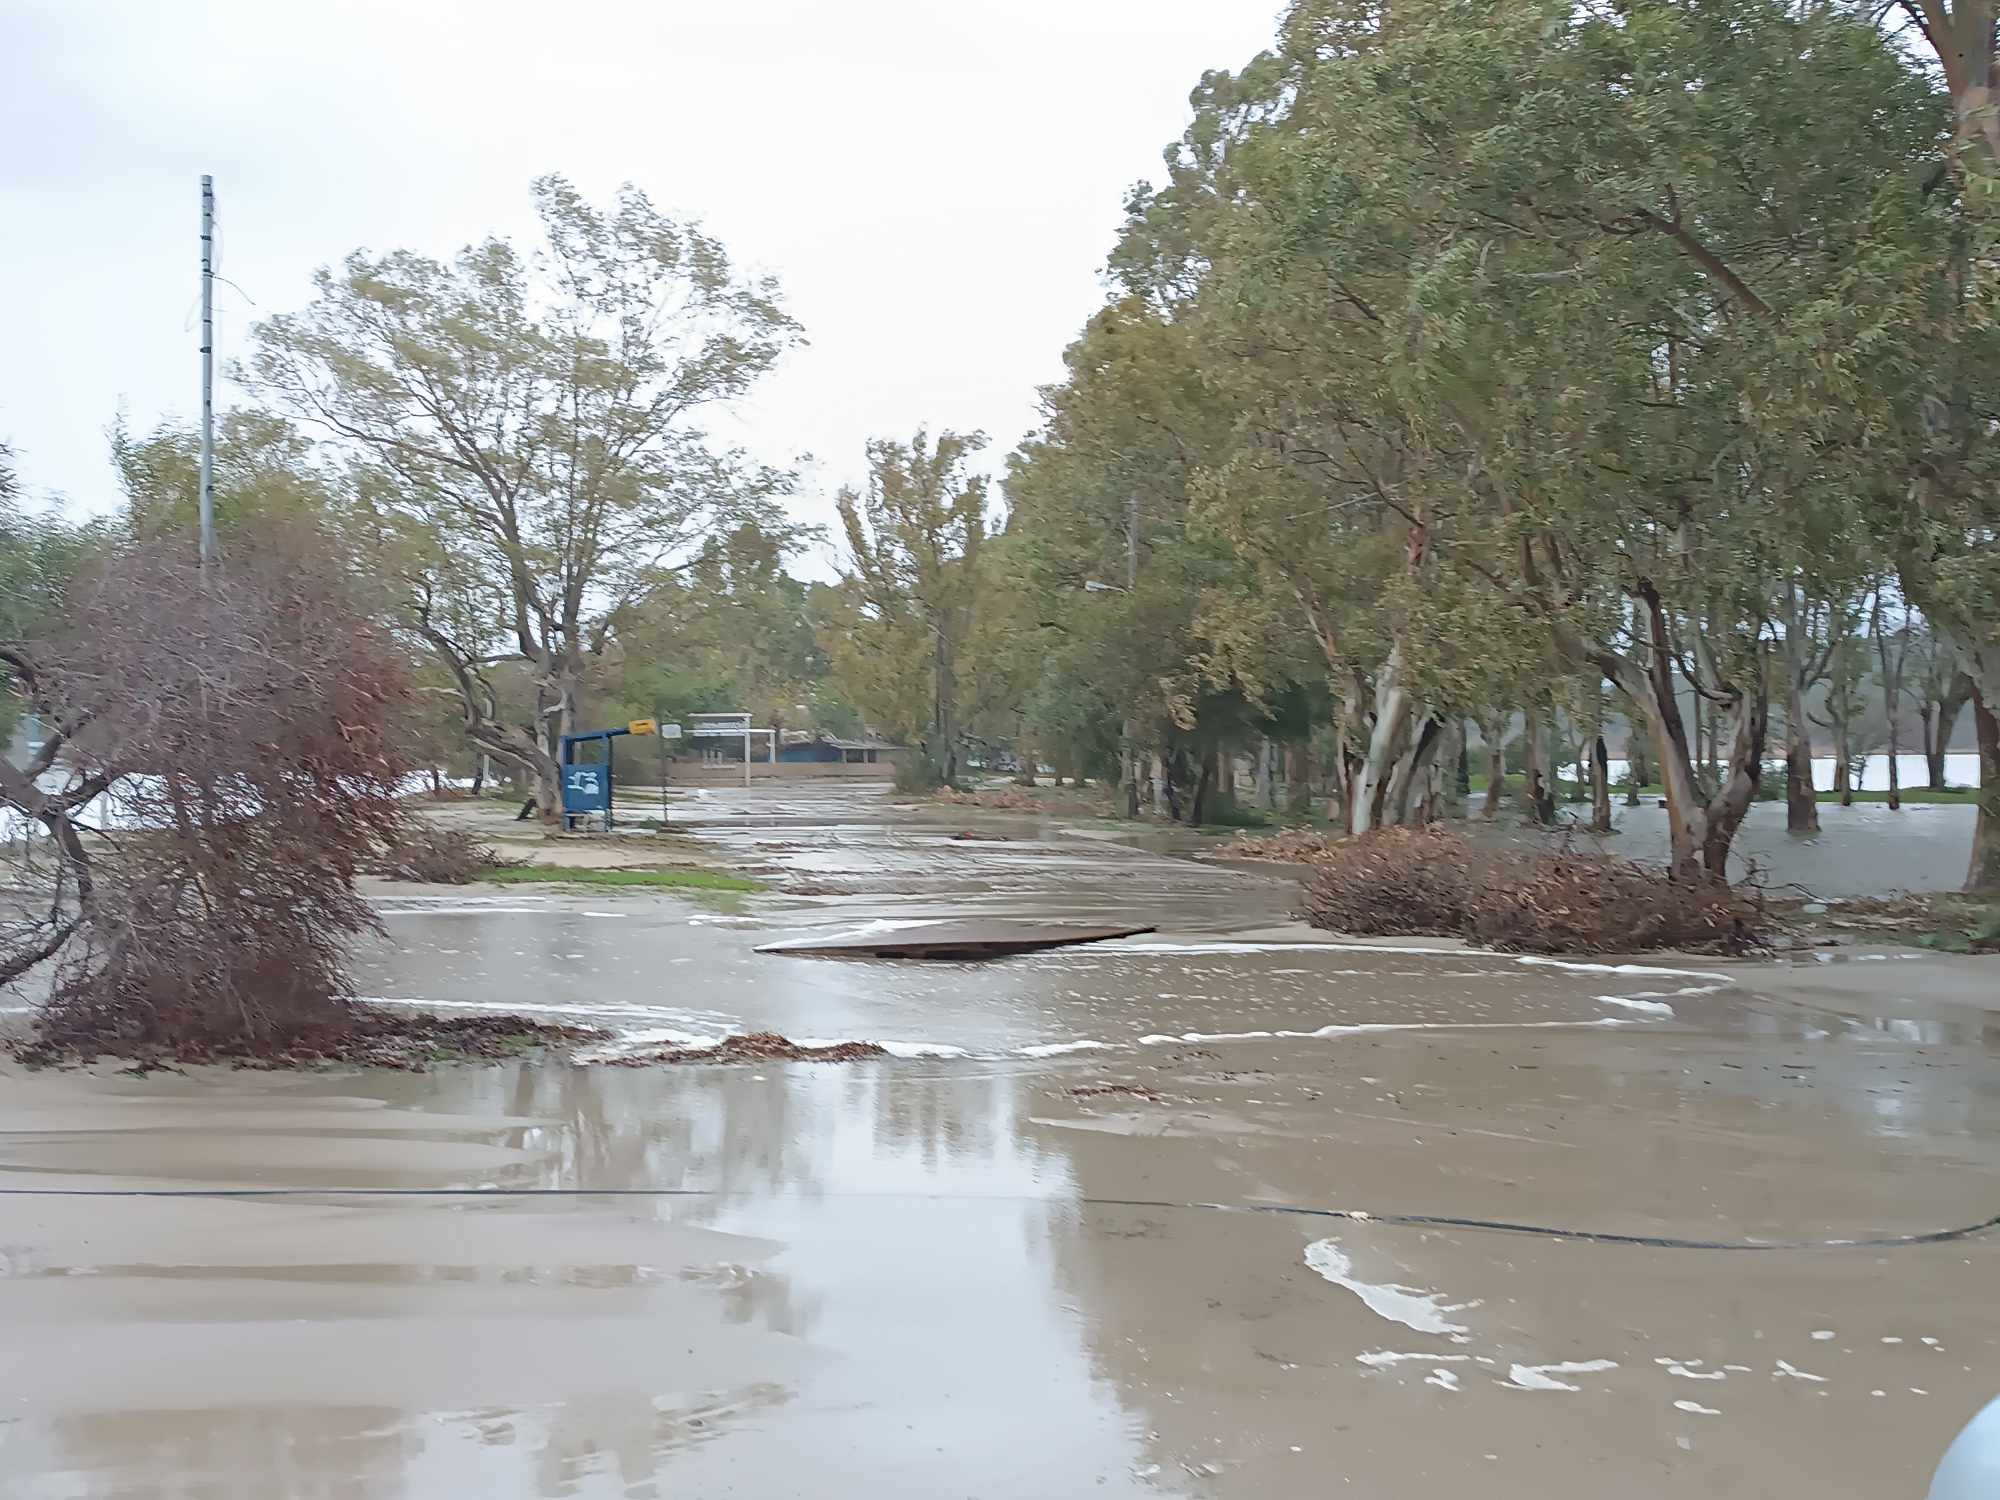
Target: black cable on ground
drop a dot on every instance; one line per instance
(1353, 1215)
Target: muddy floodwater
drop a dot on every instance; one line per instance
(1225, 1210)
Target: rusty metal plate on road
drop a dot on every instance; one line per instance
(949, 939)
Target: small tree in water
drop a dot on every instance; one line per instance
(225, 749)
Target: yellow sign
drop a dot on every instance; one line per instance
(641, 726)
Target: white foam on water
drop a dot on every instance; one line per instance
(527, 1009)
(1410, 1306)
(640, 1041)
(1542, 1377)
(1382, 1359)
(1648, 1007)
(921, 1049)
(465, 911)
(1786, 1367)
(1697, 1408)
(1681, 1368)
(1155, 948)
(1056, 1049)
(1444, 1380)
(1578, 966)
(1822, 1334)
(1370, 1028)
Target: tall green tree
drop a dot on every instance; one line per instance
(530, 424)
(913, 539)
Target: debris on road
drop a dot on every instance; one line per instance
(949, 940)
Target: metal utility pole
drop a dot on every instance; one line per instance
(207, 370)
(1130, 730)
(1132, 539)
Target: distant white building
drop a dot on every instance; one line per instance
(26, 739)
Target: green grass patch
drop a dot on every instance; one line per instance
(686, 880)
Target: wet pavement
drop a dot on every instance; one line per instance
(1131, 1219)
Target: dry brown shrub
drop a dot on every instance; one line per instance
(251, 726)
(1025, 799)
(431, 855)
(1431, 882)
(1288, 846)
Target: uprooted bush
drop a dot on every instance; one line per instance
(1431, 882)
(232, 747)
(431, 855)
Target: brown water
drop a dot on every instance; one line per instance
(985, 1274)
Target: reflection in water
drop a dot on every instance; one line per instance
(844, 1172)
(941, 1278)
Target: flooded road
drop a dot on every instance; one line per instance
(1226, 1210)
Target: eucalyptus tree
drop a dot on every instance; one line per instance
(913, 540)
(1104, 537)
(531, 421)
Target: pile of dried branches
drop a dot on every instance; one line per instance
(226, 748)
(440, 856)
(759, 1046)
(1025, 799)
(1287, 846)
(348, 1033)
(1432, 882)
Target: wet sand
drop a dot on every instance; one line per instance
(1003, 1271)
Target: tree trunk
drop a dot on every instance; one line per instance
(1128, 769)
(1451, 786)
(944, 730)
(1750, 724)
(1298, 778)
(1496, 765)
(1801, 798)
(1600, 787)
(1461, 772)
(1162, 786)
(1266, 792)
(1700, 740)
(1637, 772)
(1412, 771)
(1537, 795)
(1370, 787)
(1939, 720)
(1700, 829)
(1984, 871)
(1204, 788)
(1892, 694)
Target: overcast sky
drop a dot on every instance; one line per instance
(935, 182)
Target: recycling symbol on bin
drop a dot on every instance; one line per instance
(583, 780)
